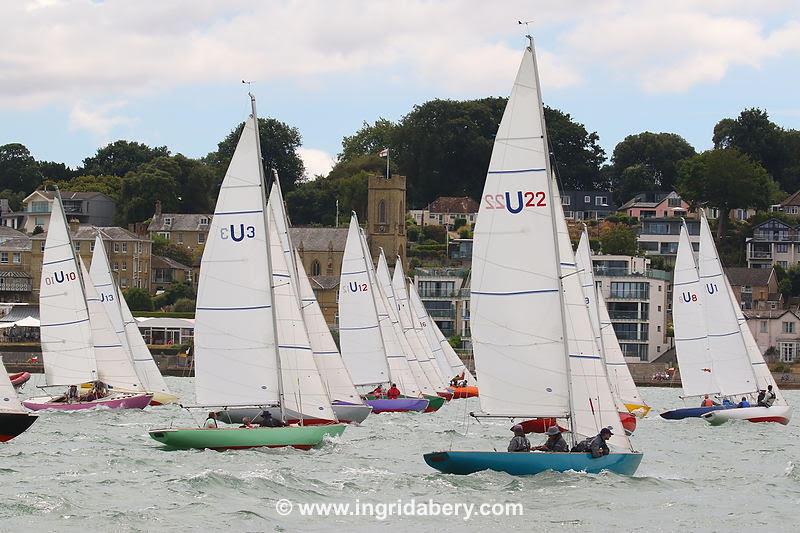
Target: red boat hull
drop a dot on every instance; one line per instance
(19, 379)
(540, 425)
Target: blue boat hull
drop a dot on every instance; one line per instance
(690, 412)
(522, 464)
(399, 405)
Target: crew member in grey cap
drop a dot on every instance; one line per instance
(554, 443)
(520, 442)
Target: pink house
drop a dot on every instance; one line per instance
(656, 204)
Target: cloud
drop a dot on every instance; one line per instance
(97, 119)
(317, 162)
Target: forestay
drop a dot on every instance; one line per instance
(66, 335)
(517, 331)
(691, 339)
(731, 365)
(235, 353)
(359, 330)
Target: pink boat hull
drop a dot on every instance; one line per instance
(126, 401)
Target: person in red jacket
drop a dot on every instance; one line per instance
(393, 393)
(377, 392)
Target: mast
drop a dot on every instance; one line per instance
(553, 214)
(269, 256)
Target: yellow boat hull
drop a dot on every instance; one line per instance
(637, 410)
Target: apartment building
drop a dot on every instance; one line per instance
(128, 254)
(774, 242)
(659, 236)
(755, 288)
(638, 304)
(445, 294)
(445, 210)
(15, 266)
(188, 231)
(655, 204)
(777, 333)
(587, 205)
(88, 208)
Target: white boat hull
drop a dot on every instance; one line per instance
(777, 413)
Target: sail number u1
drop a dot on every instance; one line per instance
(515, 202)
(237, 234)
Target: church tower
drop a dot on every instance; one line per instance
(386, 217)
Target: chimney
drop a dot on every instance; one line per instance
(74, 223)
(158, 209)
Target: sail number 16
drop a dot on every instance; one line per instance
(515, 205)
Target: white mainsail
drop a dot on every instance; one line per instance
(384, 281)
(114, 365)
(303, 391)
(764, 377)
(235, 353)
(731, 365)
(457, 366)
(688, 318)
(418, 344)
(359, 329)
(619, 376)
(123, 322)
(9, 401)
(65, 331)
(593, 404)
(399, 367)
(517, 331)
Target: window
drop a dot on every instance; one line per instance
(116, 266)
(201, 238)
(180, 238)
(674, 202)
(40, 221)
(91, 246)
(569, 214)
(659, 308)
(204, 221)
(77, 247)
(164, 234)
(782, 248)
(565, 200)
(382, 213)
(124, 265)
(116, 247)
(167, 221)
(784, 264)
(787, 352)
(658, 328)
(587, 199)
(123, 282)
(788, 327)
(124, 247)
(401, 213)
(40, 207)
(630, 289)
(763, 326)
(4, 257)
(600, 200)
(16, 258)
(315, 268)
(42, 246)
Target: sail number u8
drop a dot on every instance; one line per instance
(515, 203)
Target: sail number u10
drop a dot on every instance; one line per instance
(515, 203)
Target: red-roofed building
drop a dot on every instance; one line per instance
(445, 210)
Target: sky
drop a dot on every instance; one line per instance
(78, 74)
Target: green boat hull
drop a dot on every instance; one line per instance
(434, 403)
(302, 437)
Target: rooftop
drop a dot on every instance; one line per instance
(13, 240)
(453, 204)
(68, 195)
(319, 239)
(754, 277)
(158, 261)
(180, 222)
(89, 232)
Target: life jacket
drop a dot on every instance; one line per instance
(708, 402)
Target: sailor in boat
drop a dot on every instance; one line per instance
(554, 443)
(247, 423)
(519, 443)
(708, 402)
(393, 393)
(766, 398)
(211, 421)
(377, 392)
(595, 445)
(743, 403)
(268, 422)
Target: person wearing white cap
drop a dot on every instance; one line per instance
(520, 442)
(554, 443)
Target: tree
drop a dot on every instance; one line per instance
(173, 293)
(576, 154)
(14, 198)
(725, 179)
(369, 140)
(184, 305)
(755, 135)
(138, 299)
(164, 248)
(56, 171)
(111, 186)
(313, 202)
(279, 145)
(633, 180)
(120, 157)
(194, 180)
(618, 239)
(140, 190)
(434, 233)
(19, 171)
(658, 153)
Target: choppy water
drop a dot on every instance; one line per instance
(100, 470)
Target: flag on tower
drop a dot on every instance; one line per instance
(384, 153)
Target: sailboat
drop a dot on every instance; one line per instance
(535, 352)
(126, 328)
(345, 400)
(716, 352)
(14, 418)
(79, 344)
(364, 348)
(19, 379)
(619, 376)
(251, 348)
